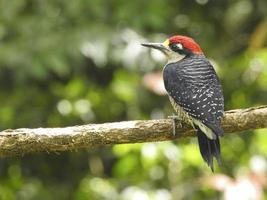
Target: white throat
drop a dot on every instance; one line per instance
(174, 57)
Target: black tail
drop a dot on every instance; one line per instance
(209, 148)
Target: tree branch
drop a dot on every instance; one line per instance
(23, 141)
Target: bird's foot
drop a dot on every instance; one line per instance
(175, 119)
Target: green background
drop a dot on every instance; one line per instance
(66, 63)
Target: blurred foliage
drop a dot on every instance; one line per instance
(65, 63)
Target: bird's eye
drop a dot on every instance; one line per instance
(176, 47)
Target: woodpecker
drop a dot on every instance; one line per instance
(195, 92)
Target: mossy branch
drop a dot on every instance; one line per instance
(23, 141)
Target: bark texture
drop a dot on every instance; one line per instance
(23, 141)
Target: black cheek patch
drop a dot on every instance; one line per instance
(183, 51)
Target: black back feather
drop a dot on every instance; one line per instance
(193, 85)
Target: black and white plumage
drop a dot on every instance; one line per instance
(194, 88)
(195, 92)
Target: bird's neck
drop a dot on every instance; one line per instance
(173, 58)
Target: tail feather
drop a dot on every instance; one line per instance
(216, 129)
(209, 148)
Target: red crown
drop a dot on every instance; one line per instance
(187, 43)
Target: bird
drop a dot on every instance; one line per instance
(195, 92)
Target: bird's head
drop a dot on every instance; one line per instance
(176, 47)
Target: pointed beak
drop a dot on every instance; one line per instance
(159, 46)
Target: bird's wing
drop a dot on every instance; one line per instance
(196, 88)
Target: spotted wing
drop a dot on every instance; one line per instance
(194, 86)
